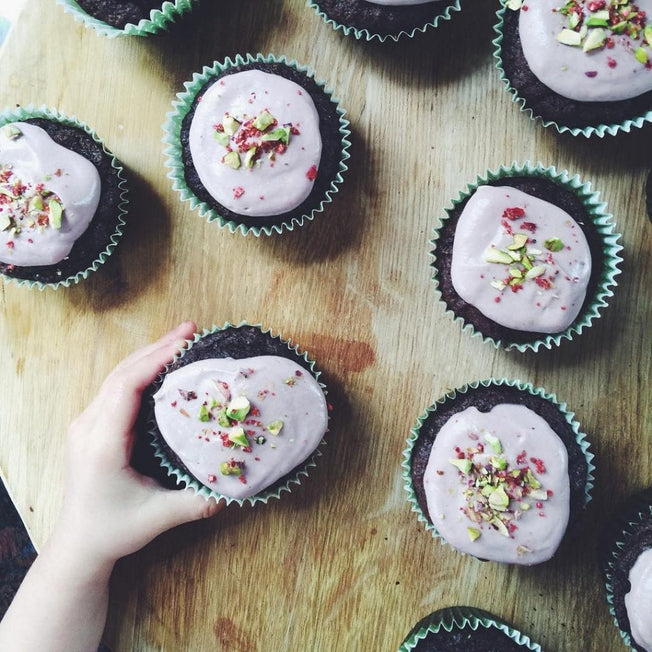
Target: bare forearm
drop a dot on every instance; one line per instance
(61, 605)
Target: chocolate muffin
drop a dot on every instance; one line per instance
(571, 113)
(625, 552)
(522, 478)
(118, 13)
(100, 237)
(465, 628)
(239, 415)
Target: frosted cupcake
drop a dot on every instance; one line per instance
(500, 471)
(465, 628)
(256, 144)
(626, 559)
(582, 65)
(240, 415)
(526, 257)
(126, 17)
(62, 198)
(384, 19)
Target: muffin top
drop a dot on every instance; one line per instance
(497, 485)
(48, 196)
(588, 50)
(522, 261)
(255, 143)
(238, 425)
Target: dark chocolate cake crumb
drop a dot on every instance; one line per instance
(119, 13)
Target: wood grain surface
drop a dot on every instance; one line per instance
(341, 563)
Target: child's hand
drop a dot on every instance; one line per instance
(109, 509)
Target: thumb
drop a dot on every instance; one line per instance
(170, 508)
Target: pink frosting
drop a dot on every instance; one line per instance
(639, 600)
(518, 520)
(282, 174)
(547, 297)
(279, 392)
(35, 171)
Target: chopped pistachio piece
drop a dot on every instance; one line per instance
(498, 285)
(499, 463)
(536, 271)
(11, 131)
(595, 39)
(553, 244)
(5, 222)
(514, 5)
(500, 526)
(494, 255)
(232, 159)
(238, 408)
(647, 34)
(37, 203)
(275, 427)
(514, 272)
(221, 137)
(520, 239)
(569, 37)
(56, 212)
(230, 124)
(204, 413)
(249, 157)
(238, 437)
(494, 442)
(463, 465)
(264, 120)
(222, 419)
(474, 533)
(280, 134)
(499, 500)
(641, 55)
(515, 255)
(539, 494)
(230, 469)
(598, 19)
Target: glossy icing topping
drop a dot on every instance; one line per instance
(255, 143)
(238, 425)
(48, 196)
(589, 50)
(638, 601)
(522, 261)
(496, 485)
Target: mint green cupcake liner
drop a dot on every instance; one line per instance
(159, 19)
(465, 620)
(284, 484)
(605, 275)
(173, 149)
(30, 111)
(469, 388)
(447, 8)
(627, 534)
(599, 130)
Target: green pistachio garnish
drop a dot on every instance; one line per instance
(494, 442)
(37, 203)
(515, 273)
(264, 120)
(230, 124)
(238, 437)
(222, 419)
(500, 526)
(539, 494)
(498, 285)
(232, 159)
(535, 272)
(641, 55)
(499, 463)
(499, 500)
(474, 533)
(221, 137)
(647, 34)
(598, 19)
(11, 131)
(275, 427)
(595, 39)
(494, 255)
(569, 37)
(5, 222)
(56, 212)
(230, 469)
(463, 465)
(280, 134)
(520, 240)
(249, 157)
(238, 408)
(204, 413)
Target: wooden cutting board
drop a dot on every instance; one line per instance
(341, 563)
